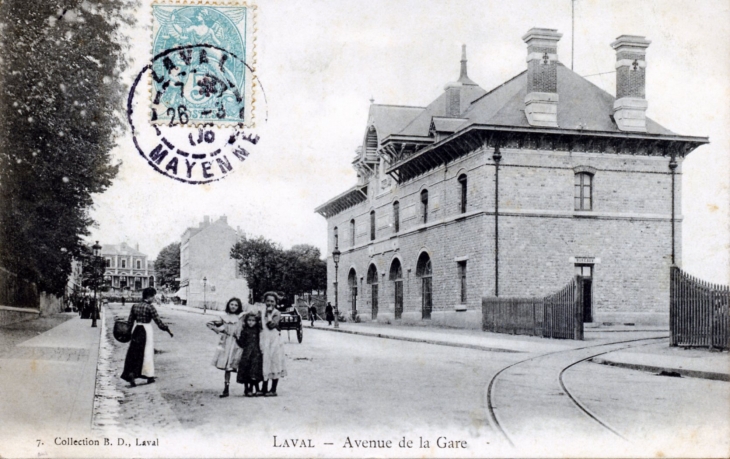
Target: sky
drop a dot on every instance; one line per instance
(320, 63)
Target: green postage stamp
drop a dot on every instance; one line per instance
(203, 64)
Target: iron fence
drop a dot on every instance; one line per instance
(559, 315)
(698, 312)
(17, 292)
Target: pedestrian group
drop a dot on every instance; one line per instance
(250, 344)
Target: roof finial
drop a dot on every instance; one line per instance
(372, 99)
(463, 77)
(463, 62)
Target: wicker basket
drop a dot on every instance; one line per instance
(122, 331)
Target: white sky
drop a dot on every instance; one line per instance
(321, 61)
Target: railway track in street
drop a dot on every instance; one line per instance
(552, 403)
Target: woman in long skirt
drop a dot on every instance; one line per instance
(140, 355)
(272, 348)
(228, 353)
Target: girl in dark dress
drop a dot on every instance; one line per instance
(250, 368)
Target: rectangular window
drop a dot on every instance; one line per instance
(396, 216)
(424, 206)
(372, 225)
(583, 191)
(462, 280)
(462, 186)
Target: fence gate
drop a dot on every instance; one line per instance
(698, 312)
(559, 315)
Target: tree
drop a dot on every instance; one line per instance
(167, 266)
(260, 262)
(61, 102)
(267, 266)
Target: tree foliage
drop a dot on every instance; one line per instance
(61, 106)
(167, 266)
(267, 266)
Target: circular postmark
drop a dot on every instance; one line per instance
(181, 146)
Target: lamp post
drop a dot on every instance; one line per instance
(205, 304)
(97, 256)
(336, 259)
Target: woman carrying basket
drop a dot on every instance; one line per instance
(140, 355)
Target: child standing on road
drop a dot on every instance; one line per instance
(250, 368)
(228, 354)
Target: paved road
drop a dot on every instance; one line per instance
(344, 386)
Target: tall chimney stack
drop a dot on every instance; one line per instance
(629, 110)
(541, 100)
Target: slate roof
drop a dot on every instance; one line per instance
(389, 119)
(582, 106)
(120, 249)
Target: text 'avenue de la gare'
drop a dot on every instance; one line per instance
(358, 443)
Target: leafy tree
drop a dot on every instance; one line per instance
(167, 266)
(61, 106)
(259, 262)
(267, 266)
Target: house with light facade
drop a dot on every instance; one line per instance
(126, 268)
(208, 275)
(511, 192)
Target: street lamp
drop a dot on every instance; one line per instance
(97, 257)
(205, 304)
(336, 259)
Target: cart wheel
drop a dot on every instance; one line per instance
(300, 334)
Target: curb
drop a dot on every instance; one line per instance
(419, 340)
(657, 369)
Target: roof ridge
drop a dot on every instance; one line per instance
(399, 106)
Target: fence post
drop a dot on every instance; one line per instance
(672, 306)
(578, 309)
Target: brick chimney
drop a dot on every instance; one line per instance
(541, 100)
(629, 110)
(454, 98)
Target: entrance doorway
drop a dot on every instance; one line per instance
(585, 284)
(424, 272)
(373, 281)
(396, 275)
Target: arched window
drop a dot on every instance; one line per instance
(583, 191)
(372, 275)
(424, 206)
(337, 238)
(372, 225)
(352, 231)
(462, 193)
(423, 271)
(396, 216)
(396, 275)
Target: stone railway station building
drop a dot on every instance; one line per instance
(511, 192)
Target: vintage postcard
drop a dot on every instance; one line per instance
(310, 228)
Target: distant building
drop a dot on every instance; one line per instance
(512, 192)
(208, 274)
(126, 268)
